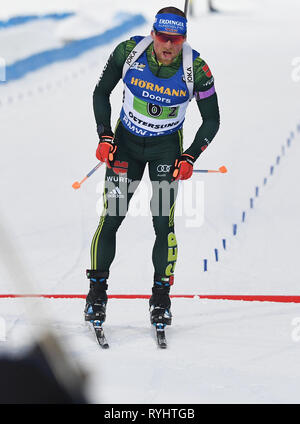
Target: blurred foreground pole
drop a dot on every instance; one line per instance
(45, 374)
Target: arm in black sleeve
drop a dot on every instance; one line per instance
(209, 111)
(111, 75)
(207, 102)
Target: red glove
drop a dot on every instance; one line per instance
(183, 167)
(106, 153)
(106, 150)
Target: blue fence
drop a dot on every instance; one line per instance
(20, 20)
(215, 256)
(71, 50)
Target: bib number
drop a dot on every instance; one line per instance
(154, 110)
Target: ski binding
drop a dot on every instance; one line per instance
(161, 336)
(97, 325)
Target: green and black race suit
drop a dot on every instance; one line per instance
(158, 152)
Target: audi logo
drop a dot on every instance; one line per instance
(163, 168)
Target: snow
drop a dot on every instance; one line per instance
(219, 351)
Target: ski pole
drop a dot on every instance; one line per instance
(116, 164)
(222, 169)
(77, 184)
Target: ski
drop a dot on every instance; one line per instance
(100, 334)
(161, 336)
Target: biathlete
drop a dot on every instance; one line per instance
(161, 75)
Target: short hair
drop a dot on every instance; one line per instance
(173, 10)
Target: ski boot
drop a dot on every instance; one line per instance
(96, 300)
(160, 303)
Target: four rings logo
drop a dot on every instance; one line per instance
(163, 168)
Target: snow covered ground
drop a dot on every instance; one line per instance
(219, 351)
(233, 351)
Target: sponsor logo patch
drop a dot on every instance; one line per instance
(157, 88)
(138, 66)
(163, 168)
(206, 71)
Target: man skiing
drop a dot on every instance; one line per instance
(161, 74)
